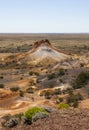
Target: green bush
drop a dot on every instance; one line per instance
(32, 111)
(63, 105)
(74, 99)
(1, 85)
(7, 117)
(36, 73)
(31, 73)
(19, 116)
(47, 95)
(75, 104)
(51, 76)
(59, 100)
(21, 93)
(61, 80)
(61, 72)
(78, 97)
(81, 80)
(30, 90)
(14, 89)
(1, 77)
(57, 91)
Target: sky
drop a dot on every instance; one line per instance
(44, 16)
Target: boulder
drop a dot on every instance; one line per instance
(11, 123)
(40, 115)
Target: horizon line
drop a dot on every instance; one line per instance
(44, 33)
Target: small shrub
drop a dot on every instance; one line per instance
(61, 72)
(21, 93)
(3, 123)
(1, 85)
(70, 99)
(81, 80)
(57, 91)
(14, 89)
(78, 97)
(7, 117)
(1, 77)
(73, 99)
(32, 111)
(61, 80)
(29, 90)
(47, 95)
(70, 91)
(63, 105)
(31, 73)
(19, 116)
(75, 104)
(81, 64)
(21, 78)
(51, 76)
(59, 100)
(36, 73)
(32, 83)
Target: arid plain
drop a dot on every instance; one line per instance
(43, 70)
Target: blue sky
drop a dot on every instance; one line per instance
(44, 16)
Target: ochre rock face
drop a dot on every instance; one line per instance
(41, 43)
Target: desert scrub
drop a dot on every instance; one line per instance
(30, 90)
(48, 95)
(19, 116)
(14, 89)
(51, 76)
(73, 99)
(33, 73)
(1, 85)
(62, 105)
(81, 80)
(61, 72)
(21, 93)
(32, 111)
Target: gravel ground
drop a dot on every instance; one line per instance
(71, 119)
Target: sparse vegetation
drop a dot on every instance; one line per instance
(32, 111)
(51, 76)
(48, 95)
(1, 85)
(1, 77)
(81, 80)
(14, 89)
(57, 91)
(62, 105)
(19, 116)
(33, 73)
(73, 99)
(61, 72)
(38, 81)
(59, 100)
(21, 93)
(30, 90)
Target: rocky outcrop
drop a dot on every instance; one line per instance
(43, 52)
(41, 43)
